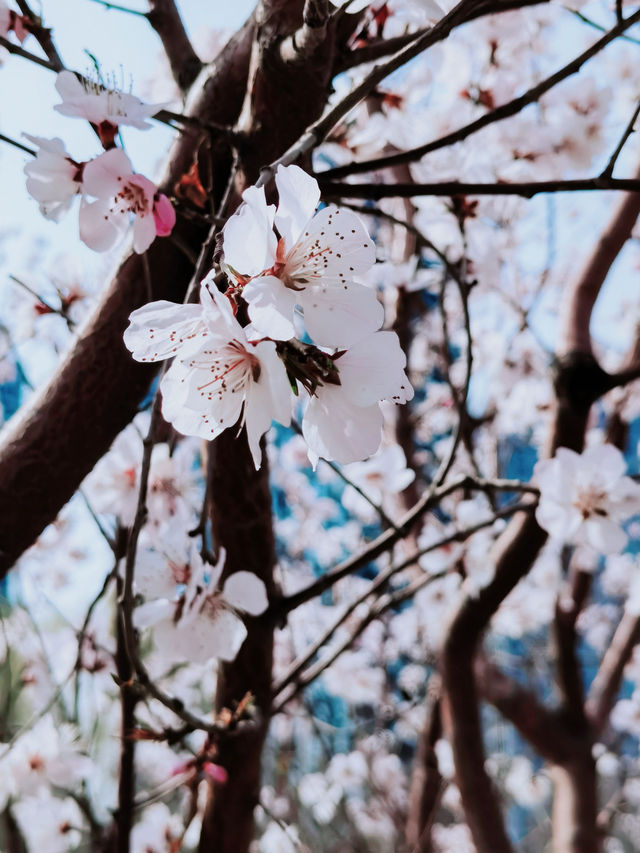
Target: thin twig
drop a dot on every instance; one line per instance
(607, 172)
(504, 111)
(383, 542)
(526, 189)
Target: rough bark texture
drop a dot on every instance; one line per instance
(57, 438)
(242, 525)
(281, 100)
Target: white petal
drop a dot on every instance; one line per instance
(271, 307)
(219, 637)
(152, 613)
(249, 240)
(159, 329)
(604, 535)
(562, 521)
(105, 176)
(245, 591)
(153, 576)
(373, 369)
(336, 429)
(608, 461)
(298, 197)
(335, 243)
(144, 232)
(279, 387)
(340, 316)
(98, 230)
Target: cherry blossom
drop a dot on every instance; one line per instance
(97, 103)
(121, 193)
(585, 497)
(53, 178)
(384, 473)
(343, 421)
(193, 618)
(218, 376)
(313, 265)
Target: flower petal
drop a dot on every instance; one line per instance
(245, 591)
(340, 316)
(298, 197)
(271, 307)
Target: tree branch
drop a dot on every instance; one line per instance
(382, 543)
(606, 684)
(512, 556)
(504, 111)
(318, 131)
(308, 38)
(547, 731)
(526, 189)
(183, 60)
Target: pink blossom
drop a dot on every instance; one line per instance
(121, 193)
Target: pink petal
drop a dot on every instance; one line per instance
(164, 215)
(215, 771)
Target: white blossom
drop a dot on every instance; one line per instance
(585, 497)
(218, 375)
(344, 422)
(53, 178)
(193, 617)
(121, 194)
(313, 265)
(97, 103)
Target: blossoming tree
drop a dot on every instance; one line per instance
(321, 533)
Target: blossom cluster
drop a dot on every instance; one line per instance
(278, 261)
(112, 193)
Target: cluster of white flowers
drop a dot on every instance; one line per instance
(112, 193)
(223, 372)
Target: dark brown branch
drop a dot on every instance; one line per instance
(25, 54)
(241, 523)
(318, 131)
(379, 48)
(578, 384)
(126, 774)
(606, 684)
(608, 170)
(426, 782)
(526, 189)
(308, 38)
(183, 60)
(376, 49)
(574, 335)
(42, 35)
(570, 680)
(504, 111)
(547, 731)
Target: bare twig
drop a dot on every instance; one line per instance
(526, 189)
(383, 542)
(607, 172)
